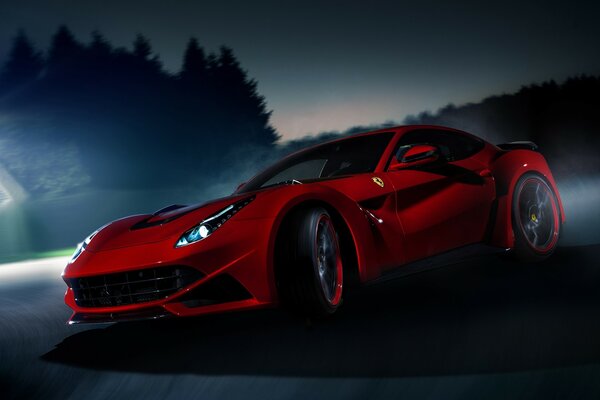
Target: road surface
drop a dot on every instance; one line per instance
(485, 329)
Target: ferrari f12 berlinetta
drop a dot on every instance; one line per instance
(360, 209)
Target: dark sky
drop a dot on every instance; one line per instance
(333, 64)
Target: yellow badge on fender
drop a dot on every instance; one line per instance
(378, 181)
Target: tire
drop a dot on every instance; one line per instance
(535, 219)
(310, 270)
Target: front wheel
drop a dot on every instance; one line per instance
(535, 218)
(311, 272)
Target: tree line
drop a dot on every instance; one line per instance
(562, 118)
(111, 117)
(132, 123)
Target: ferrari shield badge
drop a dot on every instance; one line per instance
(377, 180)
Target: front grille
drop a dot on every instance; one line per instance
(131, 287)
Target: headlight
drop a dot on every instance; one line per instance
(81, 246)
(212, 223)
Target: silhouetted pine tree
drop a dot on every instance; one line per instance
(235, 91)
(99, 46)
(64, 49)
(99, 64)
(191, 104)
(24, 64)
(142, 50)
(142, 47)
(195, 65)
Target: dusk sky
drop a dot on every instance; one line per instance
(329, 65)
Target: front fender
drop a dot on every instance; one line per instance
(282, 202)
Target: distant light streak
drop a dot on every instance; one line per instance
(10, 189)
(33, 270)
(14, 230)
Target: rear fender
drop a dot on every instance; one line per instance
(507, 170)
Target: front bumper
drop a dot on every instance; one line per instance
(233, 274)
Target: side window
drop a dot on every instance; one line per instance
(453, 146)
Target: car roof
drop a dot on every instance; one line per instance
(395, 129)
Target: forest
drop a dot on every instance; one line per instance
(91, 114)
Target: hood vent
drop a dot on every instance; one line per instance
(168, 208)
(149, 222)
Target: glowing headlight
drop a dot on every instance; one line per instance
(212, 223)
(81, 246)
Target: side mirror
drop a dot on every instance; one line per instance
(418, 154)
(240, 186)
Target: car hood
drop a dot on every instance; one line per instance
(151, 228)
(171, 222)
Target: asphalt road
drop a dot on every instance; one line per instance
(488, 328)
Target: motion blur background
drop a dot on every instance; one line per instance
(114, 109)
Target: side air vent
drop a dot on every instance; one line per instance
(221, 289)
(132, 287)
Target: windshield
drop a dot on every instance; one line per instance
(350, 156)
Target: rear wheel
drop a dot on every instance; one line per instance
(535, 218)
(310, 270)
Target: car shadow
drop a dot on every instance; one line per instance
(487, 315)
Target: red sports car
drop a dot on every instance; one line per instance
(360, 209)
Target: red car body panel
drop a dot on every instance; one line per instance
(394, 218)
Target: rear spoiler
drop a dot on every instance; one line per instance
(521, 145)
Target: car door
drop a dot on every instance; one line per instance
(444, 204)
